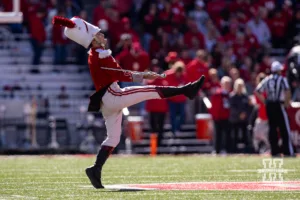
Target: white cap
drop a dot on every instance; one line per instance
(276, 66)
(83, 33)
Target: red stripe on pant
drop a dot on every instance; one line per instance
(131, 91)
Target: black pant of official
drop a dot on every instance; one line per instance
(278, 118)
(222, 128)
(157, 121)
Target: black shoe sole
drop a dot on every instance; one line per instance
(198, 84)
(93, 179)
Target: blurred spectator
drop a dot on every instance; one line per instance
(287, 10)
(63, 94)
(213, 81)
(103, 25)
(170, 59)
(246, 68)
(171, 14)
(198, 66)
(234, 74)
(278, 26)
(123, 6)
(264, 66)
(177, 77)
(59, 41)
(214, 8)
(99, 12)
(220, 114)
(184, 56)
(124, 43)
(231, 36)
(51, 12)
(157, 109)
(216, 53)
(211, 37)
(239, 108)
(251, 41)
(193, 38)
(38, 35)
(260, 29)
(71, 8)
(134, 59)
(127, 29)
(240, 47)
(223, 70)
(150, 24)
(175, 40)
(261, 127)
(200, 15)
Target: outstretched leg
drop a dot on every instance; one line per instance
(115, 99)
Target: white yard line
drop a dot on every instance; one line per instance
(254, 170)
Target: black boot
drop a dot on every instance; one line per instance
(94, 172)
(189, 90)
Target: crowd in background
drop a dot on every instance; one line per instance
(227, 41)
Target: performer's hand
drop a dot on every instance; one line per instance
(151, 75)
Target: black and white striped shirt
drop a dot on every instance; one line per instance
(274, 85)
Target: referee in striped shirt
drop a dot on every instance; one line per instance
(277, 99)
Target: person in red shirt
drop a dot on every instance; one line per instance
(109, 97)
(231, 36)
(126, 29)
(251, 41)
(214, 8)
(220, 111)
(240, 47)
(176, 76)
(59, 41)
(261, 126)
(185, 57)
(193, 37)
(198, 66)
(264, 66)
(278, 27)
(170, 59)
(134, 59)
(213, 81)
(38, 35)
(157, 109)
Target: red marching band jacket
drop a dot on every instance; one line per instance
(220, 109)
(103, 78)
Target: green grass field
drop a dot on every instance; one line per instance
(63, 177)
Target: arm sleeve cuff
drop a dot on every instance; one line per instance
(137, 77)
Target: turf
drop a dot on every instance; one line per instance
(63, 177)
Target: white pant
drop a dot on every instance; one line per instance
(114, 100)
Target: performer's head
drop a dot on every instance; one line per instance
(99, 40)
(81, 32)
